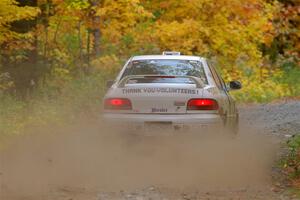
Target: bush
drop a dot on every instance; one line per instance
(78, 97)
(60, 99)
(255, 91)
(290, 77)
(291, 163)
(280, 82)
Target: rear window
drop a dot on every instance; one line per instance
(166, 68)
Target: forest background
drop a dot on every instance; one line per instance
(56, 55)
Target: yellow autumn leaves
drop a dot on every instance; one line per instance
(227, 29)
(230, 32)
(10, 12)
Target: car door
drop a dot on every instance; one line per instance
(230, 104)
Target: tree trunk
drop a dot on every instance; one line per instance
(96, 29)
(26, 73)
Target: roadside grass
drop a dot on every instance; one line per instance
(290, 165)
(295, 192)
(78, 98)
(63, 98)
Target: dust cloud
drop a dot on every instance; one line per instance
(88, 155)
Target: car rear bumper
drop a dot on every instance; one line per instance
(176, 121)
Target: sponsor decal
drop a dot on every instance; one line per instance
(159, 90)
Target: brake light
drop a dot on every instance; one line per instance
(202, 104)
(117, 104)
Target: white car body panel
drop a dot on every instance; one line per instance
(167, 102)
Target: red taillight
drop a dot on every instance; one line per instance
(202, 104)
(117, 104)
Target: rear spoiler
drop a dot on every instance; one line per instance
(199, 83)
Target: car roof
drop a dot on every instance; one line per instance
(166, 57)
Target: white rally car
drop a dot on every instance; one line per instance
(172, 91)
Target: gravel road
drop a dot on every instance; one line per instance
(281, 118)
(82, 163)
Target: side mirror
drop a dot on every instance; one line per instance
(109, 83)
(235, 85)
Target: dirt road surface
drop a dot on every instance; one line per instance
(88, 162)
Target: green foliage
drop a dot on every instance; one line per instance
(52, 105)
(256, 91)
(78, 4)
(290, 77)
(291, 163)
(60, 99)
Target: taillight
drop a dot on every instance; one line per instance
(202, 104)
(117, 104)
